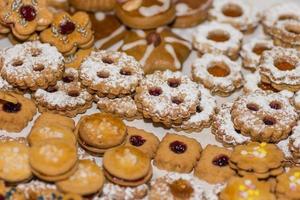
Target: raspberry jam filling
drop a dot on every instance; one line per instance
(11, 107)
(221, 160)
(155, 91)
(178, 147)
(137, 140)
(28, 12)
(67, 27)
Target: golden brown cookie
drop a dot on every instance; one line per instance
(177, 153)
(75, 60)
(288, 185)
(93, 5)
(213, 165)
(58, 4)
(145, 141)
(127, 166)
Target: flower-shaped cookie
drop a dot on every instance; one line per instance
(68, 32)
(25, 16)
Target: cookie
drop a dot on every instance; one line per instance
(177, 153)
(141, 14)
(31, 65)
(288, 184)
(10, 193)
(58, 4)
(53, 159)
(191, 13)
(110, 74)
(158, 49)
(14, 162)
(264, 116)
(15, 111)
(88, 179)
(75, 60)
(218, 38)
(93, 5)
(69, 33)
(36, 189)
(145, 141)
(167, 97)
(246, 188)
(213, 165)
(294, 143)
(99, 132)
(217, 73)
(127, 166)
(66, 98)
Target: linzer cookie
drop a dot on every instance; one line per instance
(15, 111)
(177, 153)
(191, 13)
(264, 116)
(127, 166)
(93, 5)
(99, 132)
(218, 38)
(288, 185)
(110, 74)
(112, 191)
(158, 49)
(25, 17)
(67, 97)
(31, 65)
(68, 33)
(218, 73)
(145, 14)
(167, 97)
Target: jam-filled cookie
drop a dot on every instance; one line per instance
(88, 179)
(264, 116)
(218, 73)
(145, 14)
(158, 49)
(213, 165)
(69, 33)
(191, 13)
(67, 97)
(167, 97)
(127, 166)
(116, 192)
(15, 111)
(288, 185)
(145, 141)
(53, 159)
(218, 38)
(110, 73)
(31, 65)
(177, 153)
(99, 132)
(93, 5)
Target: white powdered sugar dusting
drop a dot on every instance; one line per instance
(295, 137)
(35, 186)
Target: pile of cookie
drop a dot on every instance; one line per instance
(124, 57)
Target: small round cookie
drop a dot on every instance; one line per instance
(218, 38)
(93, 5)
(67, 97)
(145, 14)
(158, 49)
(14, 162)
(167, 97)
(127, 166)
(190, 13)
(145, 141)
(247, 188)
(239, 14)
(223, 128)
(213, 165)
(264, 116)
(110, 74)
(69, 33)
(288, 185)
(177, 153)
(217, 73)
(52, 159)
(280, 68)
(31, 65)
(116, 192)
(100, 131)
(87, 180)
(252, 50)
(15, 111)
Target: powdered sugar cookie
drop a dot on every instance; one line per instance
(167, 97)
(237, 13)
(111, 74)
(294, 142)
(35, 189)
(31, 65)
(280, 68)
(67, 97)
(297, 100)
(218, 38)
(251, 52)
(218, 73)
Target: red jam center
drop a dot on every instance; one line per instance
(221, 161)
(67, 27)
(2, 197)
(178, 147)
(11, 107)
(68, 79)
(137, 140)
(52, 89)
(28, 12)
(156, 91)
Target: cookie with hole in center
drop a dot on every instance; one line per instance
(127, 166)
